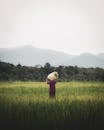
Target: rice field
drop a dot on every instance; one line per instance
(27, 105)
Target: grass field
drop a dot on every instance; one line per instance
(77, 105)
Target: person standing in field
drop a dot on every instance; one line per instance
(51, 80)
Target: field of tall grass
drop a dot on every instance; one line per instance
(27, 105)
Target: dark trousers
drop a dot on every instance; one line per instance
(52, 94)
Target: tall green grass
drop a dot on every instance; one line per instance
(76, 105)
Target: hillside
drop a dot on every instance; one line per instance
(31, 56)
(87, 60)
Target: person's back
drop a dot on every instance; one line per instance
(52, 88)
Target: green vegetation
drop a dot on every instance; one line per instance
(76, 105)
(10, 72)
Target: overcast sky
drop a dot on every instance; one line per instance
(72, 26)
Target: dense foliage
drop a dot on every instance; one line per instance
(10, 72)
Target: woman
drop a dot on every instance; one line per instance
(52, 89)
(51, 80)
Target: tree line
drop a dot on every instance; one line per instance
(10, 72)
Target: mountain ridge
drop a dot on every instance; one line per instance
(31, 56)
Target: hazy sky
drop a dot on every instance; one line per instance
(72, 26)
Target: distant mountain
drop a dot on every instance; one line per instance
(101, 56)
(87, 60)
(31, 56)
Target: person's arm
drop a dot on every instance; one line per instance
(47, 81)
